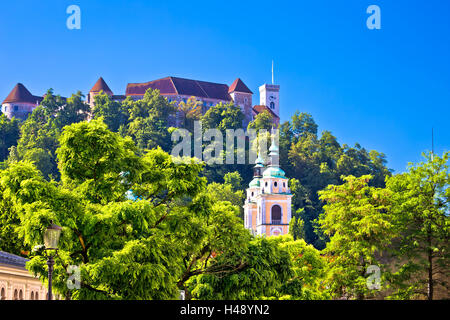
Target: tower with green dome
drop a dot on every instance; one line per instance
(267, 208)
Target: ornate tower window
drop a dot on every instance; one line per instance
(276, 214)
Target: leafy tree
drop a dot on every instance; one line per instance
(38, 141)
(309, 268)
(9, 221)
(190, 111)
(263, 120)
(296, 227)
(143, 249)
(72, 111)
(230, 191)
(9, 134)
(260, 270)
(223, 117)
(93, 158)
(421, 206)
(357, 220)
(148, 120)
(112, 112)
(303, 123)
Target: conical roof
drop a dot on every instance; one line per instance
(239, 86)
(21, 94)
(101, 85)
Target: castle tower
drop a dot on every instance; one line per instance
(99, 86)
(242, 97)
(269, 96)
(20, 103)
(267, 209)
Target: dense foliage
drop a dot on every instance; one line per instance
(141, 225)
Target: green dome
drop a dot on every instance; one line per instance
(254, 183)
(273, 172)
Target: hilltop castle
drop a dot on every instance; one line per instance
(20, 102)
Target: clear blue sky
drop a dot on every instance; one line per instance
(384, 89)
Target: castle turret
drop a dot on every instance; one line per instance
(242, 97)
(99, 86)
(20, 102)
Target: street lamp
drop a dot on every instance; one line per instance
(51, 239)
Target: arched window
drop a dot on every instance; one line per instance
(15, 294)
(36, 296)
(32, 295)
(276, 214)
(272, 105)
(20, 295)
(275, 184)
(3, 294)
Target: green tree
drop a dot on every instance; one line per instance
(303, 123)
(309, 269)
(223, 117)
(190, 111)
(38, 142)
(421, 206)
(263, 120)
(9, 134)
(112, 112)
(259, 271)
(148, 120)
(356, 218)
(73, 110)
(143, 249)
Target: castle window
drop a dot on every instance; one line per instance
(275, 184)
(276, 214)
(272, 105)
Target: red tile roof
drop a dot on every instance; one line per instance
(101, 85)
(181, 86)
(260, 108)
(239, 86)
(21, 94)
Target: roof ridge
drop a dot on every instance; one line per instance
(173, 83)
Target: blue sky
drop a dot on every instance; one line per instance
(384, 89)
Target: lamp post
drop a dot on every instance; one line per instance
(51, 239)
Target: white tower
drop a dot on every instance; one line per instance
(269, 96)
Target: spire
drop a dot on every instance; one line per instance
(274, 151)
(272, 73)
